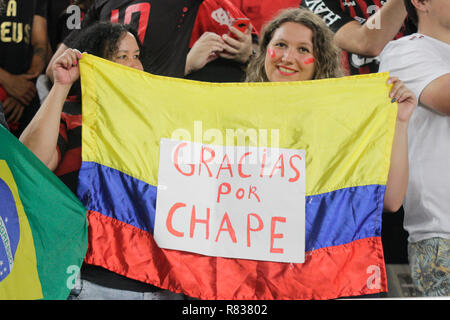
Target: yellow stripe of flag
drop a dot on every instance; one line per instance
(345, 125)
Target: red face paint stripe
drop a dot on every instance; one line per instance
(309, 60)
(271, 52)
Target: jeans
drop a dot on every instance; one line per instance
(86, 290)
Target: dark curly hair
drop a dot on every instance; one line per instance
(412, 13)
(100, 39)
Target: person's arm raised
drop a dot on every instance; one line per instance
(41, 135)
(370, 38)
(398, 176)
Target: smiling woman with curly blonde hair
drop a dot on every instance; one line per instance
(315, 57)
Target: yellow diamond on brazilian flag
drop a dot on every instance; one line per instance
(43, 228)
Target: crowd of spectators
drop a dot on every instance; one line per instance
(41, 41)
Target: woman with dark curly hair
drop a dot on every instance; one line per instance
(61, 110)
(298, 46)
(102, 40)
(54, 136)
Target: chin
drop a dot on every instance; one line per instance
(285, 79)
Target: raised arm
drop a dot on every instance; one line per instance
(397, 182)
(41, 135)
(61, 49)
(370, 38)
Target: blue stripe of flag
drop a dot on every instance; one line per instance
(332, 218)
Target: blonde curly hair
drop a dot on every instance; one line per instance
(326, 54)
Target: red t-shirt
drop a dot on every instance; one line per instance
(261, 12)
(215, 16)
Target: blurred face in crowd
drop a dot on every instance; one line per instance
(289, 55)
(128, 52)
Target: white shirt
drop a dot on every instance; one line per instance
(417, 60)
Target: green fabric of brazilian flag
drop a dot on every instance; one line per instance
(43, 227)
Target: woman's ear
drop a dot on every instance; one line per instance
(421, 5)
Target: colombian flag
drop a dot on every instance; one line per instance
(346, 127)
(43, 227)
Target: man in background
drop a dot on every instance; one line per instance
(422, 62)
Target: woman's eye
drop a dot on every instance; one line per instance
(122, 57)
(280, 44)
(303, 49)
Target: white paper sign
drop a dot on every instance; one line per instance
(235, 202)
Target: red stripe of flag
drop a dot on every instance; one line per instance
(351, 269)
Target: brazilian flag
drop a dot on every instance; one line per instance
(43, 227)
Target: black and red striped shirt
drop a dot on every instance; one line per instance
(69, 164)
(164, 29)
(69, 144)
(337, 13)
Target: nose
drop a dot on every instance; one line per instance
(289, 55)
(136, 63)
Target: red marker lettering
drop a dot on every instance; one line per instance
(194, 221)
(241, 174)
(175, 160)
(228, 166)
(240, 193)
(274, 235)
(229, 228)
(281, 166)
(221, 191)
(205, 162)
(263, 163)
(249, 228)
(252, 191)
(297, 173)
(169, 225)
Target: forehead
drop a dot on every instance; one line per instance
(293, 32)
(127, 42)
